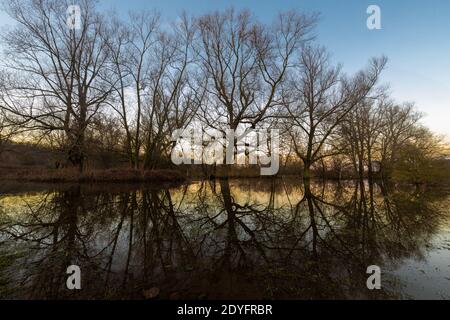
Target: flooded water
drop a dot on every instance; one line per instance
(236, 239)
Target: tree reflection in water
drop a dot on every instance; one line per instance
(259, 239)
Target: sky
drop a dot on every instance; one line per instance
(415, 36)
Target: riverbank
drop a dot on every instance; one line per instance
(175, 176)
(109, 175)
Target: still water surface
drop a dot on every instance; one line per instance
(237, 239)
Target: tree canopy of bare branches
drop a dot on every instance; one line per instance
(127, 83)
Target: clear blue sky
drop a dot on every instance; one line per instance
(415, 36)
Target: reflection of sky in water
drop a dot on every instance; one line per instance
(416, 258)
(428, 278)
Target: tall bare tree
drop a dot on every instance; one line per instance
(400, 124)
(320, 99)
(360, 133)
(153, 78)
(176, 91)
(132, 44)
(245, 63)
(56, 72)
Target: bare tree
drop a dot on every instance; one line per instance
(131, 47)
(176, 91)
(400, 123)
(245, 63)
(154, 85)
(360, 132)
(321, 98)
(56, 72)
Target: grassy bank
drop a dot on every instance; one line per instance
(110, 175)
(181, 174)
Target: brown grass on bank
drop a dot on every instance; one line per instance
(110, 175)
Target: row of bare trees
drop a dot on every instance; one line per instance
(129, 82)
